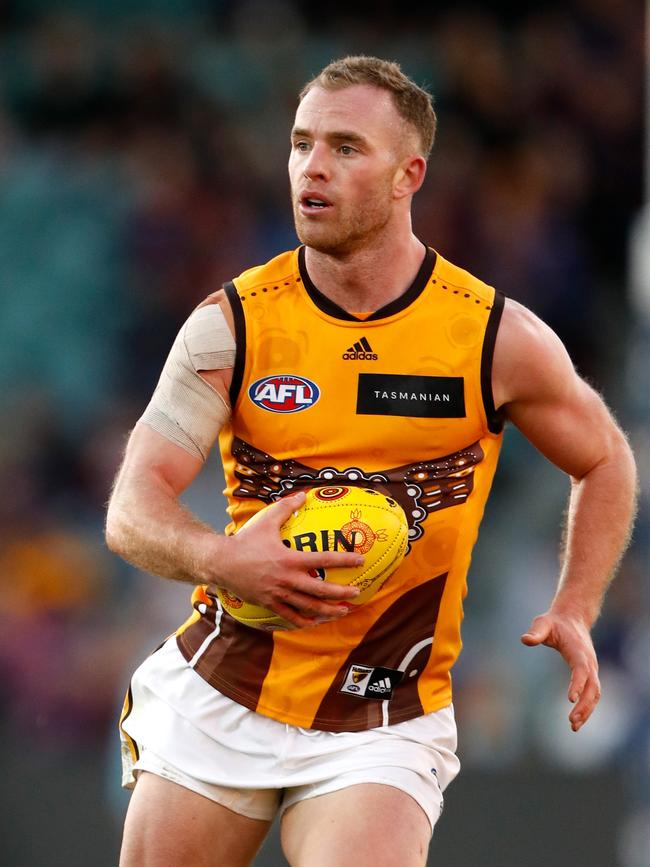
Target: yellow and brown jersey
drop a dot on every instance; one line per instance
(400, 401)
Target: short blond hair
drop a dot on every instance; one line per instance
(413, 103)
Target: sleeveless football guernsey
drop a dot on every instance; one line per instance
(399, 401)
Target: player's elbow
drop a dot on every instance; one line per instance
(630, 471)
(623, 455)
(113, 536)
(617, 462)
(116, 529)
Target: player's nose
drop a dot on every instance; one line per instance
(316, 166)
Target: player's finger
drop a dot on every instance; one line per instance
(310, 606)
(285, 609)
(314, 587)
(297, 620)
(307, 616)
(329, 559)
(579, 676)
(586, 703)
(284, 508)
(588, 700)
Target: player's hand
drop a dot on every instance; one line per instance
(262, 570)
(570, 637)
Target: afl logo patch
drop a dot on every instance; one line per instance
(284, 393)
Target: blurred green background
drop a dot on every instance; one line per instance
(142, 163)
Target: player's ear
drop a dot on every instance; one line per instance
(409, 176)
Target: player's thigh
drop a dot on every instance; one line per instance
(365, 825)
(167, 824)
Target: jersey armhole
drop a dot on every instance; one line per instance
(240, 340)
(495, 418)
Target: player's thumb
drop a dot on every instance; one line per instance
(538, 632)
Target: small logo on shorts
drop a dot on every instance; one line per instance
(364, 681)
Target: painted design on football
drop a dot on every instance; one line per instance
(337, 518)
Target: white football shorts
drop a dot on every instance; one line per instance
(181, 728)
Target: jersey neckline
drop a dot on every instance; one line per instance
(395, 306)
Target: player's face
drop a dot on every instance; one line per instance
(345, 148)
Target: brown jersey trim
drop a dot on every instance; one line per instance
(195, 632)
(240, 340)
(408, 297)
(411, 620)
(237, 661)
(495, 417)
(263, 477)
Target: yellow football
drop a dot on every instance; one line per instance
(337, 518)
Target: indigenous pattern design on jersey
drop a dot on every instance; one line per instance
(400, 401)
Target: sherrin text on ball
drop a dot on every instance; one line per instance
(337, 518)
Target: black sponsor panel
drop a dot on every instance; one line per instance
(412, 396)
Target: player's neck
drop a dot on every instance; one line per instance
(368, 278)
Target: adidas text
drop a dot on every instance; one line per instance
(360, 356)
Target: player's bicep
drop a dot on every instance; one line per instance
(545, 398)
(574, 432)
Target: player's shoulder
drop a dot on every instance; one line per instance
(457, 278)
(529, 357)
(522, 331)
(216, 307)
(276, 272)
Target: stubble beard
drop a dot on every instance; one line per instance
(353, 229)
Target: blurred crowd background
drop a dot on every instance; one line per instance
(143, 158)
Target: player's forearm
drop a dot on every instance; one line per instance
(601, 515)
(149, 528)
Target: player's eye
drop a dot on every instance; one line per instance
(346, 150)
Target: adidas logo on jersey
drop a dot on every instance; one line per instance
(360, 351)
(365, 681)
(384, 685)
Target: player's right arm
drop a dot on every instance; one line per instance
(148, 526)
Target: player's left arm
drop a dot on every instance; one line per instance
(537, 386)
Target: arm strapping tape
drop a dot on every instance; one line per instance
(184, 408)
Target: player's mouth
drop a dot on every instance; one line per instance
(312, 203)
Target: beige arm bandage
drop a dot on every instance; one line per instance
(184, 408)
